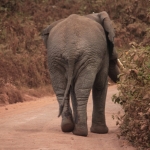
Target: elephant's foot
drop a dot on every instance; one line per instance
(67, 124)
(101, 129)
(80, 130)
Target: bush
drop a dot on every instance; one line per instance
(134, 97)
(9, 94)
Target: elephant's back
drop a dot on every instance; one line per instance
(76, 35)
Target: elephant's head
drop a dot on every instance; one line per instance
(114, 65)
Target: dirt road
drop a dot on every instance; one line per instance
(34, 126)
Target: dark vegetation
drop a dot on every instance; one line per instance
(23, 55)
(134, 97)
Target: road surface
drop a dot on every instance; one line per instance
(34, 125)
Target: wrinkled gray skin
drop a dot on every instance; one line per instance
(80, 57)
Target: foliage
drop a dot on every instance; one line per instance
(22, 21)
(134, 97)
(9, 94)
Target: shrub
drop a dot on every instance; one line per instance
(134, 97)
(9, 94)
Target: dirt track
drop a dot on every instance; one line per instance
(34, 126)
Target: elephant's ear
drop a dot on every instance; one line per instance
(107, 25)
(46, 31)
(109, 30)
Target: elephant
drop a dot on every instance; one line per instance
(81, 56)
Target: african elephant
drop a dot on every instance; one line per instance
(80, 57)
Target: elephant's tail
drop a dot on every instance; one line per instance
(70, 77)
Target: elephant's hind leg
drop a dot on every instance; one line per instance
(83, 87)
(59, 85)
(99, 97)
